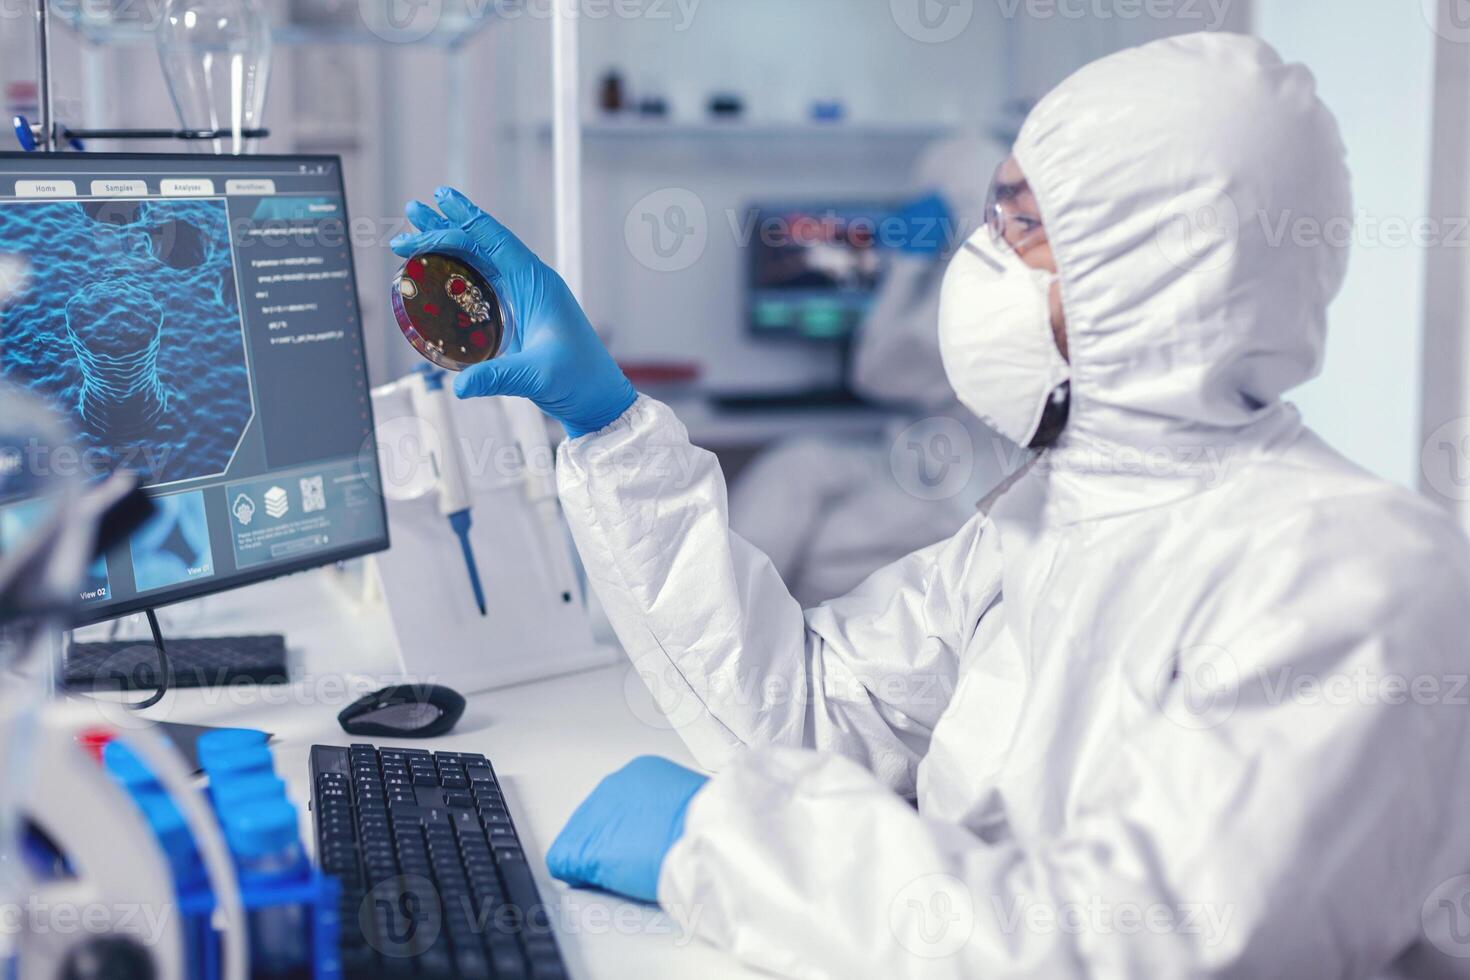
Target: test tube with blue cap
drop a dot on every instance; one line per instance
(227, 765)
(243, 761)
(264, 841)
(228, 793)
(221, 741)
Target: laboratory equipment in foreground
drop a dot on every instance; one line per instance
(158, 891)
(182, 883)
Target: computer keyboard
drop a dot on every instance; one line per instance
(205, 661)
(434, 880)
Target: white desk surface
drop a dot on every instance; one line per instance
(550, 742)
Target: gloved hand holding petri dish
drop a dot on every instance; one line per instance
(549, 351)
(449, 312)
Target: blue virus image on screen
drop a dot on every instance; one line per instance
(125, 314)
(17, 521)
(173, 546)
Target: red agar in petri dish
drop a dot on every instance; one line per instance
(448, 311)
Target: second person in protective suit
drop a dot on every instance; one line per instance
(1071, 740)
(830, 511)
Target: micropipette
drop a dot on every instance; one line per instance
(431, 404)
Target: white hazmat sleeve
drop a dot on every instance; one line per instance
(711, 628)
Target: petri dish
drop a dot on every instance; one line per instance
(448, 311)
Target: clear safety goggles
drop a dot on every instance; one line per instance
(1012, 215)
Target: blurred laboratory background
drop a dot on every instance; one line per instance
(698, 120)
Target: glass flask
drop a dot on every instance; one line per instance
(216, 57)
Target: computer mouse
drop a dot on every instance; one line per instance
(404, 711)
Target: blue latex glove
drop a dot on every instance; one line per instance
(617, 838)
(924, 227)
(555, 358)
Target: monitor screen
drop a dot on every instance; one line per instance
(196, 318)
(814, 268)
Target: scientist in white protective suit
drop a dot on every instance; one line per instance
(828, 511)
(1074, 739)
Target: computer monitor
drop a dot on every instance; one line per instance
(814, 268)
(197, 319)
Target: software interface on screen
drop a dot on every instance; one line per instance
(814, 268)
(197, 320)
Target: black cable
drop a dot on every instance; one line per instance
(164, 670)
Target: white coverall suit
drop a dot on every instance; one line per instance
(1168, 708)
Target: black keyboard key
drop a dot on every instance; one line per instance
(359, 960)
(520, 888)
(436, 962)
(472, 964)
(547, 967)
(507, 959)
(541, 947)
(328, 758)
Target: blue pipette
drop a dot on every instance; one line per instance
(431, 402)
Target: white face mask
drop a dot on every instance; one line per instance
(995, 337)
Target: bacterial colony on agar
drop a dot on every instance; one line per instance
(448, 311)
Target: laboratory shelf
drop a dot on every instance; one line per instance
(735, 129)
(452, 31)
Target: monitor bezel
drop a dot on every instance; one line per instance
(86, 616)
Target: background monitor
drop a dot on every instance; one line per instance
(197, 319)
(814, 268)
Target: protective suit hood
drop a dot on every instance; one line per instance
(1197, 200)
